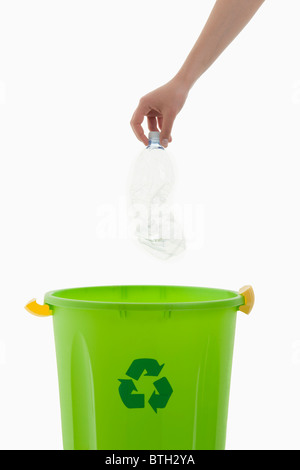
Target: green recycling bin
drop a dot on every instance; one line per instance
(144, 367)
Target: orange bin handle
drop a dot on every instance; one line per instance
(39, 310)
(248, 293)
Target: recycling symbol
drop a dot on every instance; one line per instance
(160, 395)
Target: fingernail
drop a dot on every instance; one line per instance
(164, 142)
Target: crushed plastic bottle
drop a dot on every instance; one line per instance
(154, 224)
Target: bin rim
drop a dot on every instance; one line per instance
(235, 300)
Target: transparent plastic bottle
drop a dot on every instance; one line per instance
(151, 188)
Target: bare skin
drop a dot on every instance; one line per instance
(162, 105)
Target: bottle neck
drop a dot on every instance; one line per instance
(154, 144)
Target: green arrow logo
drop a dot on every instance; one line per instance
(131, 401)
(138, 366)
(160, 399)
(160, 395)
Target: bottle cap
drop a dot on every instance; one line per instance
(154, 136)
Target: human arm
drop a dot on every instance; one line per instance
(161, 106)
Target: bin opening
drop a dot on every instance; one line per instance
(137, 295)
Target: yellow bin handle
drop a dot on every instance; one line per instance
(248, 293)
(39, 310)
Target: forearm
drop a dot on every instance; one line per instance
(225, 22)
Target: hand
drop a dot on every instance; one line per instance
(161, 107)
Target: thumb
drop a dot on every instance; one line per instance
(167, 124)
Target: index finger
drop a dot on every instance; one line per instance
(136, 124)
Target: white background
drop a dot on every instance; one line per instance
(71, 74)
